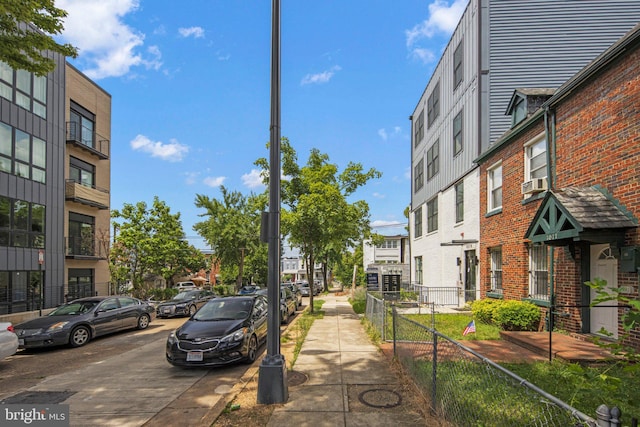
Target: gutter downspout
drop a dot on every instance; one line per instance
(551, 160)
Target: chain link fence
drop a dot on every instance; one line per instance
(465, 388)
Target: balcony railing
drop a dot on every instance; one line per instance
(91, 196)
(87, 139)
(87, 247)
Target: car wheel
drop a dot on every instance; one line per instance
(252, 350)
(192, 310)
(143, 321)
(284, 317)
(79, 336)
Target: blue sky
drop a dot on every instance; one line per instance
(190, 86)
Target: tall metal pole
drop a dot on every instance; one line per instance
(272, 379)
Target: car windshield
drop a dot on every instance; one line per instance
(224, 309)
(184, 295)
(74, 308)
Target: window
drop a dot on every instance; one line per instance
(457, 65)
(418, 176)
(22, 154)
(538, 272)
(30, 90)
(433, 105)
(418, 264)
(81, 283)
(496, 270)
(535, 159)
(432, 215)
(519, 110)
(495, 187)
(433, 160)
(21, 223)
(388, 244)
(81, 172)
(459, 189)
(457, 133)
(417, 222)
(81, 127)
(81, 235)
(19, 291)
(418, 129)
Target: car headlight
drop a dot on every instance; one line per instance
(56, 326)
(235, 336)
(181, 305)
(171, 339)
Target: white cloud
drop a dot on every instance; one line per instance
(397, 131)
(378, 195)
(443, 19)
(319, 78)
(214, 181)
(172, 152)
(252, 179)
(195, 32)
(191, 177)
(107, 47)
(380, 223)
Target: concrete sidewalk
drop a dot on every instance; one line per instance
(349, 381)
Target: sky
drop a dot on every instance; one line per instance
(190, 83)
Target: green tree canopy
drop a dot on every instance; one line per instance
(151, 242)
(26, 29)
(232, 229)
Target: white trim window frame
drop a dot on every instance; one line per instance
(496, 269)
(494, 187)
(538, 272)
(535, 158)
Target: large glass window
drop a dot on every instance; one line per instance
(457, 133)
(81, 235)
(82, 126)
(81, 283)
(433, 160)
(494, 179)
(30, 90)
(536, 159)
(418, 176)
(81, 172)
(459, 189)
(417, 222)
(21, 223)
(433, 105)
(418, 264)
(496, 270)
(22, 154)
(418, 129)
(432, 215)
(538, 272)
(457, 65)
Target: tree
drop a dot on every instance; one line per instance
(232, 229)
(26, 29)
(317, 217)
(151, 242)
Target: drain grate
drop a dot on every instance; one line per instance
(295, 378)
(38, 397)
(380, 398)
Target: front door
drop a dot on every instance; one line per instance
(604, 266)
(469, 276)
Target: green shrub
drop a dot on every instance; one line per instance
(517, 316)
(359, 300)
(484, 310)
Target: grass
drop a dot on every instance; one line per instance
(583, 387)
(298, 332)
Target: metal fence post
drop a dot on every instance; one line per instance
(393, 324)
(434, 373)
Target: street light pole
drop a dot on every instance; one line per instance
(272, 378)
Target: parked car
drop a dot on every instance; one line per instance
(184, 304)
(305, 290)
(8, 340)
(318, 287)
(225, 330)
(287, 304)
(185, 286)
(248, 290)
(297, 295)
(77, 322)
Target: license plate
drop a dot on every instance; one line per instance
(20, 341)
(194, 356)
(166, 310)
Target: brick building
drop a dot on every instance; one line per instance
(560, 194)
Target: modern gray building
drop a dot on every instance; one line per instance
(497, 47)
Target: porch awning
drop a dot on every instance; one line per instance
(579, 214)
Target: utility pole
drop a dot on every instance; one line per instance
(272, 378)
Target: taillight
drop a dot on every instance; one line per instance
(10, 328)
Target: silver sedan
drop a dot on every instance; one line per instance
(8, 340)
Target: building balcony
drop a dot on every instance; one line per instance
(87, 140)
(90, 196)
(86, 247)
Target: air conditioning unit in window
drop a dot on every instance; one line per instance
(534, 186)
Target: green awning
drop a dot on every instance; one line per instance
(579, 214)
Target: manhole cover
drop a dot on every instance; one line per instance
(380, 398)
(295, 378)
(39, 397)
